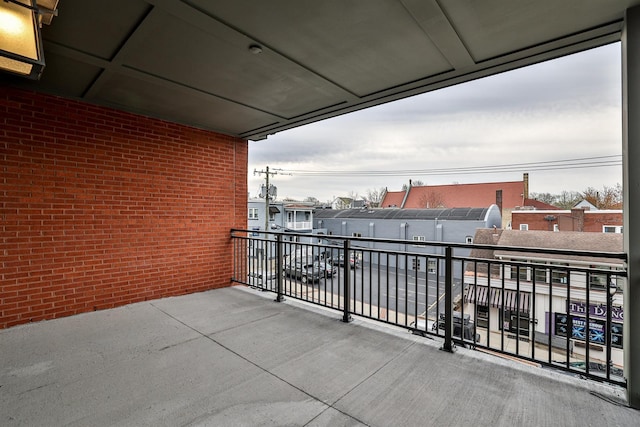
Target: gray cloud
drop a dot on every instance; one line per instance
(566, 108)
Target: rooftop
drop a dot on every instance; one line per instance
(477, 214)
(233, 356)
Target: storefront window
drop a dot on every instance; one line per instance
(577, 327)
(483, 316)
(511, 320)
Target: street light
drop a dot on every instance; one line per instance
(21, 50)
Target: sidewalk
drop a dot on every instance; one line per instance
(234, 357)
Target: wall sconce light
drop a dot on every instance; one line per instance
(20, 39)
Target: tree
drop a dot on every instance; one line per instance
(608, 198)
(312, 200)
(567, 199)
(547, 198)
(413, 183)
(374, 197)
(353, 195)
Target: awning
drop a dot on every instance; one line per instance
(513, 300)
(274, 210)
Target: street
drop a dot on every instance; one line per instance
(375, 289)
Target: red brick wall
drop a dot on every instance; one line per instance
(102, 208)
(593, 221)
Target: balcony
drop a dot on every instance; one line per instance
(358, 347)
(539, 313)
(233, 356)
(299, 225)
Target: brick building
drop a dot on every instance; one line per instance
(598, 221)
(102, 208)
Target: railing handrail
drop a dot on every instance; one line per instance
(399, 269)
(522, 249)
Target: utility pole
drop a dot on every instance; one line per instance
(267, 192)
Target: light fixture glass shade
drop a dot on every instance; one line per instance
(20, 42)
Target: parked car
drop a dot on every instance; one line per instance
(262, 279)
(325, 269)
(340, 261)
(302, 270)
(460, 324)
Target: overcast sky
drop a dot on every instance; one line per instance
(568, 108)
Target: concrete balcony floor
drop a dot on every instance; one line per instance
(234, 357)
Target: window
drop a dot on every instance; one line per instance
(559, 275)
(522, 272)
(418, 239)
(431, 265)
(482, 320)
(616, 335)
(597, 281)
(541, 275)
(577, 327)
(524, 227)
(612, 229)
(468, 240)
(415, 263)
(253, 213)
(356, 234)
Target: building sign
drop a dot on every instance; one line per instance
(596, 310)
(576, 326)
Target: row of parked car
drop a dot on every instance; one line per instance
(305, 270)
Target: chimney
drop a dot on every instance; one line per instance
(406, 195)
(525, 181)
(578, 219)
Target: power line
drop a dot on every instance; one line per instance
(577, 163)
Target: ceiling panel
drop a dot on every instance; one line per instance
(157, 99)
(188, 61)
(98, 28)
(493, 28)
(222, 64)
(68, 77)
(365, 47)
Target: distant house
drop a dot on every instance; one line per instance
(597, 221)
(342, 203)
(506, 195)
(283, 216)
(348, 203)
(584, 204)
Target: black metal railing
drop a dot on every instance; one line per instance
(557, 308)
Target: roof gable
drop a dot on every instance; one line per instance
(466, 195)
(392, 199)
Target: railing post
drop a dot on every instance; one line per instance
(279, 267)
(346, 294)
(608, 330)
(448, 301)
